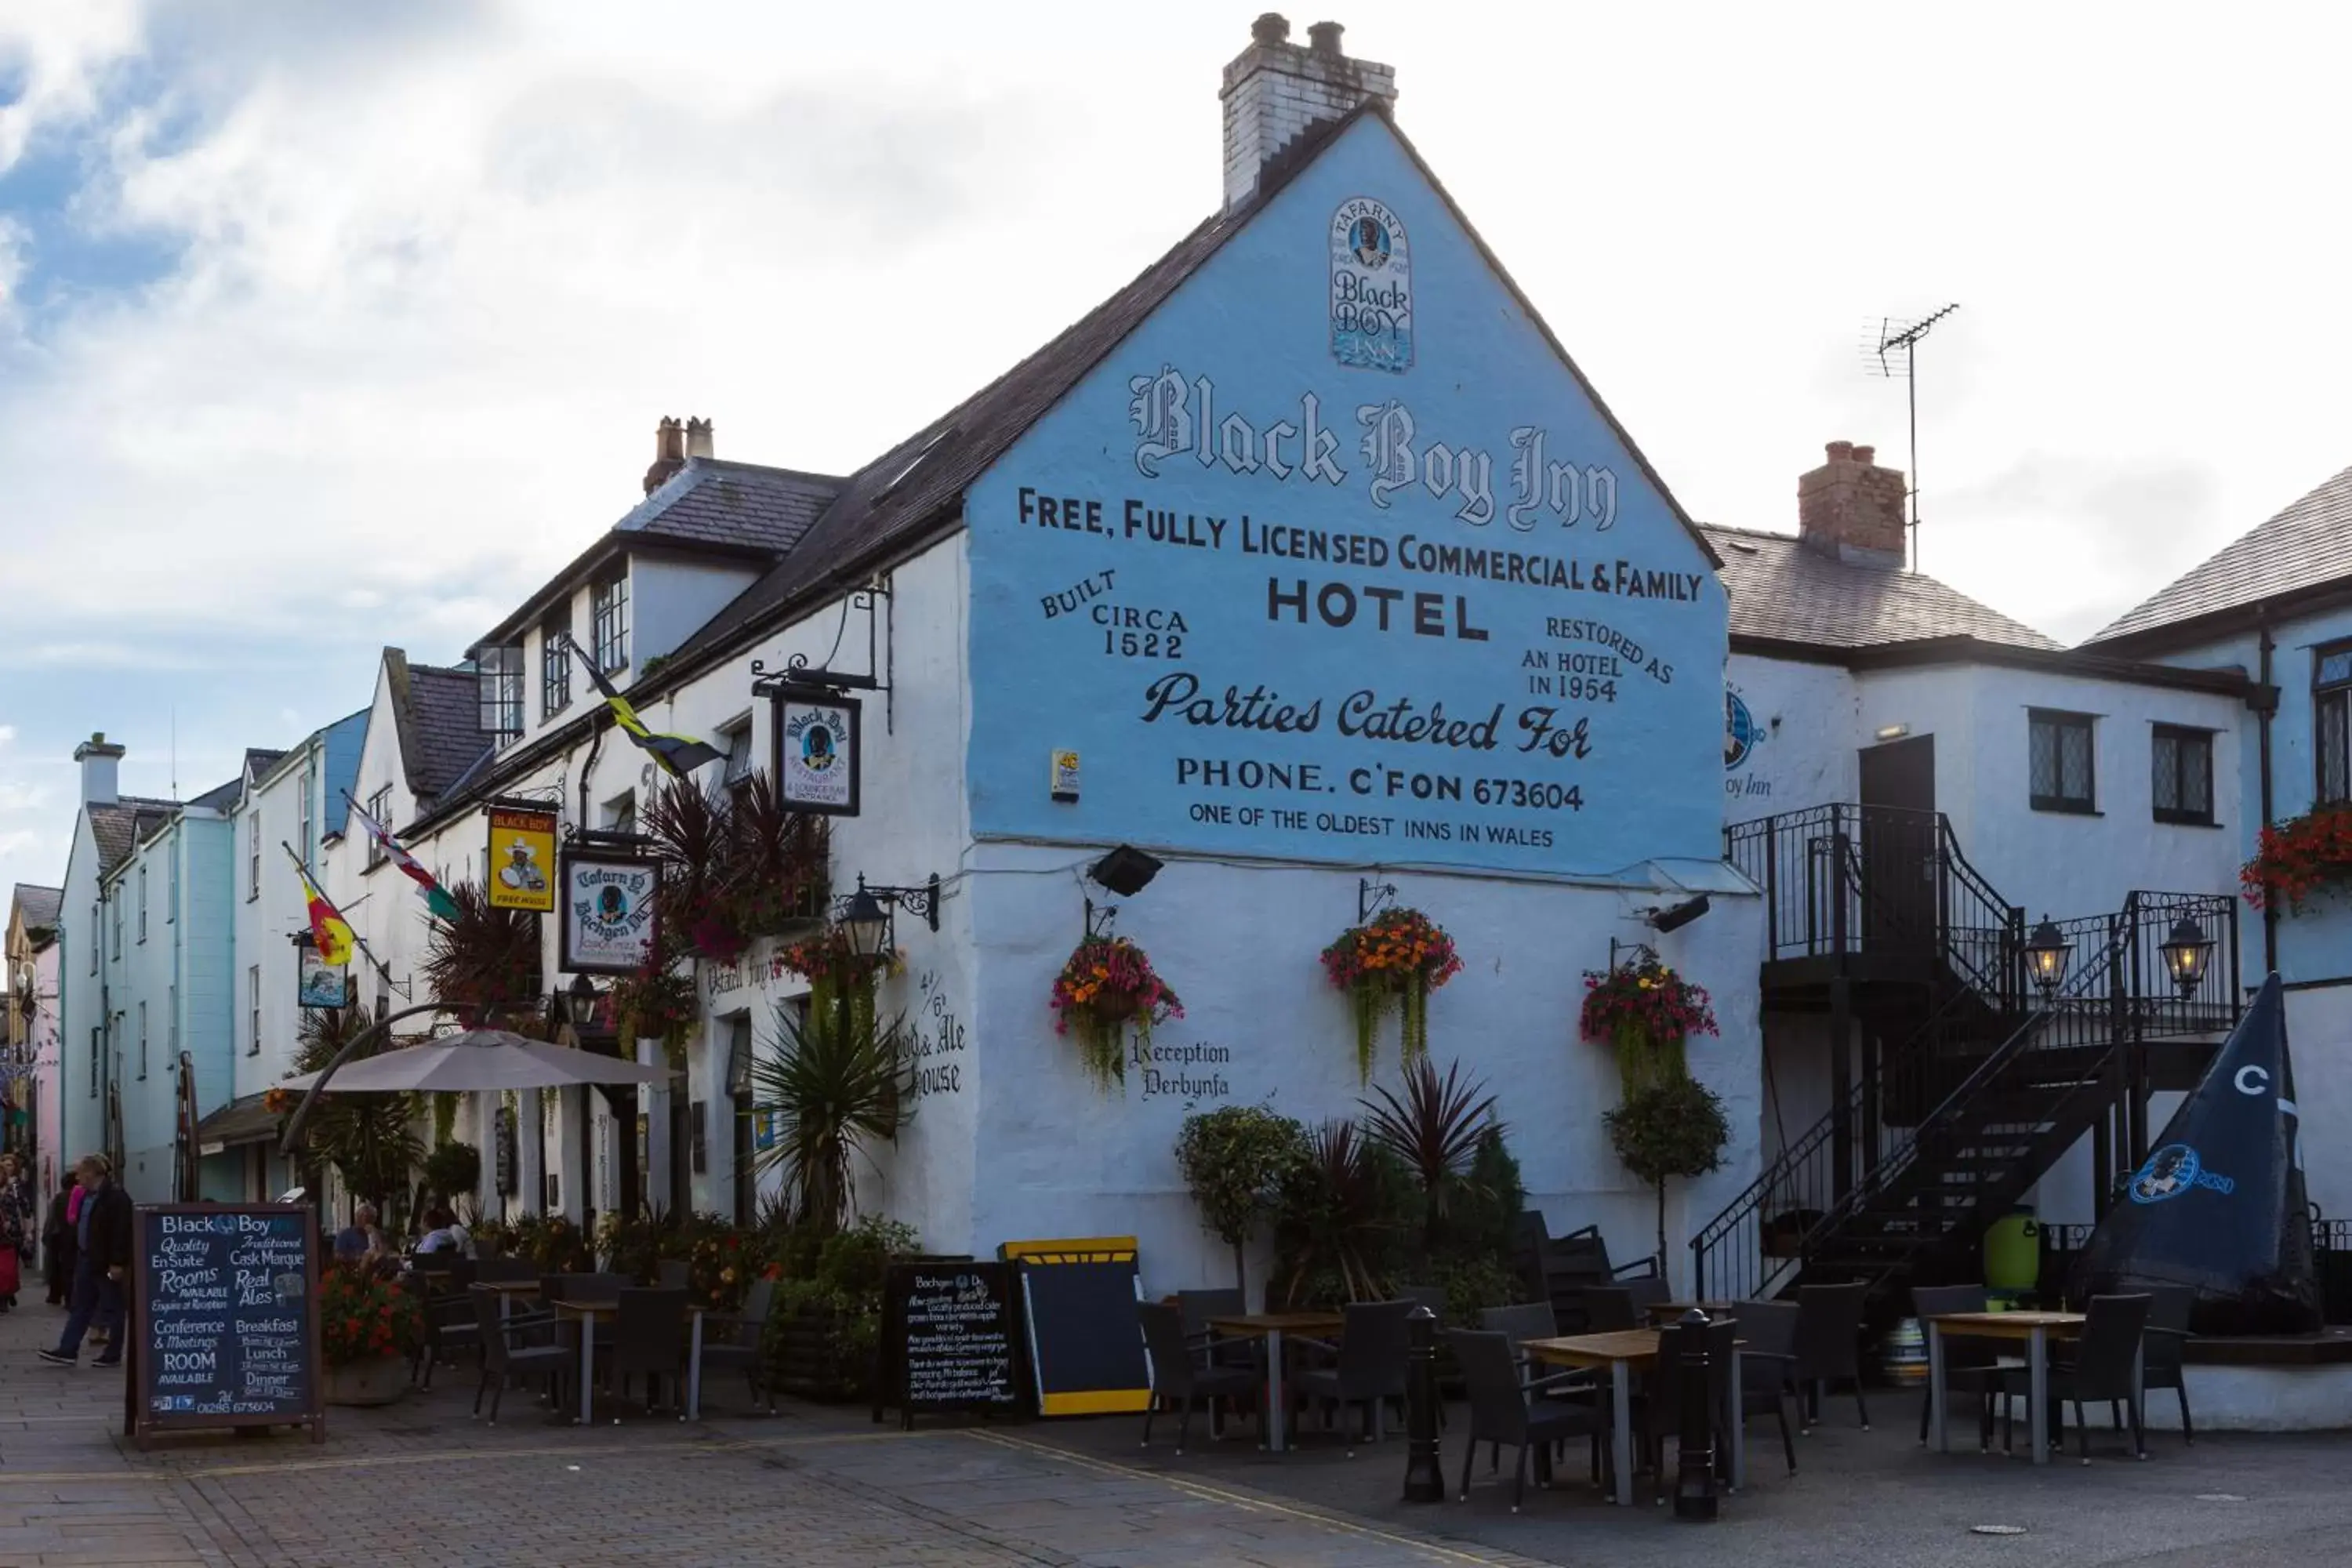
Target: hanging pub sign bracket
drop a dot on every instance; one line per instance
(1371, 897)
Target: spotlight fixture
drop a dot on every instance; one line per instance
(1126, 870)
(1674, 917)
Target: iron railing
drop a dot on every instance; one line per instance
(1940, 1089)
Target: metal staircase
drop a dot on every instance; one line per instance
(1964, 1079)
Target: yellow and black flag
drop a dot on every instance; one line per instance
(677, 754)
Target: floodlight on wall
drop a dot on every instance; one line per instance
(2046, 952)
(1677, 916)
(1126, 870)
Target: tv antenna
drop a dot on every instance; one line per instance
(1899, 339)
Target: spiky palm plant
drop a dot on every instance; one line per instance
(837, 1084)
(1435, 1129)
(484, 960)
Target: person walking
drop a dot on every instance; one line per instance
(104, 1243)
(58, 1239)
(15, 1220)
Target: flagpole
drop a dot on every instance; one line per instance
(357, 941)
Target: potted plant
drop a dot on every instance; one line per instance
(1392, 960)
(1107, 987)
(1435, 1128)
(368, 1329)
(1646, 1011)
(2303, 858)
(836, 1084)
(1672, 1127)
(1234, 1159)
(838, 974)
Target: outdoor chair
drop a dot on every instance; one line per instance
(1768, 1360)
(1613, 1309)
(555, 1288)
(1828, 1344)
(1559, 1268)
(2099, 1369)
(1527, 1321)
(1197, 1307)
(730, 1342)
(649, 1342)
(1179, 1377)
(495, 1271)
(1501, 1410)
(1368, 1364)
(2160, 1351)
(524, 1345)
(673, 1274)
(602, 1288)
(1970, 1365)
(449, 1327)
(1658, 1412)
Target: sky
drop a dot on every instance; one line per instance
(324, 328)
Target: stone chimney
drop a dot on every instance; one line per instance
(1852, 509)
(698, 438)
(98, 757)
(1275, 91)
(669, 455)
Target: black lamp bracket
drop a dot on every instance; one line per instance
(1371, 897)
(921, 900)
(1100, 918)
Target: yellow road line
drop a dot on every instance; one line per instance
(448, 1455)
(1245, 1500)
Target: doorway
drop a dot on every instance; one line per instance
(1900, 847)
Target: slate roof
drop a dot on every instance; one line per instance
(442, 737)
(2306, 546)
(917, 487)
(225, 796)
(259, 760)
(744, 505)
(119, 827)
(1782, 592)
(40, 905)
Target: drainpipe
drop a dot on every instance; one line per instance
(2264, 703)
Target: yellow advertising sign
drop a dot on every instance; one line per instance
(521, 867)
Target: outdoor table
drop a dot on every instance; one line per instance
(588, 1313)
(1624, 1354)
(2035, 1329)
(506, 1291)
(1270, 1327)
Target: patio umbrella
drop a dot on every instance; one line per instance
(479, 1060)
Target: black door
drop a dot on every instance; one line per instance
(1900, 848)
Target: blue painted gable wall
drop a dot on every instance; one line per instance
(1139, 595)
(344, 740)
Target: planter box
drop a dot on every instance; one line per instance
(803, 1362)
(382, 1380)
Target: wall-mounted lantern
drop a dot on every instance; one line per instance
(2185, 952)
(2046, 952)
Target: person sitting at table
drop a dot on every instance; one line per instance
(444, 1234)
(360, 1240)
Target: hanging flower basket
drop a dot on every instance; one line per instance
(1393, 961)
(1107, 987)
(1646, 1011)
(2305, 856)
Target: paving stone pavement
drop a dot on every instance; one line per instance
(423, 1485)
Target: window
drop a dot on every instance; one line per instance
(171, 895)
(499, 676)
(610, 602)
(739, 759)
(2331, 722)
(2182, 785)
(621, 815)
(114, 903)
(253, 1010)
(253, 855)
(2059, 761)
(171, 1024)
(555, 665)
(744, 1178)
(302, 843)
(96, 1049)
(143, 903)
(96, 941)
(142, 1042)
(379, 807)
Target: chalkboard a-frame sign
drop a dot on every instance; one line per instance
(224, 1324)
(948, 1338)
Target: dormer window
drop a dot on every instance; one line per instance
(499, 673)
(610, 603)
(555, 665)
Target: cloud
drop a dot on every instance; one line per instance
(8, 733)
(57, 56)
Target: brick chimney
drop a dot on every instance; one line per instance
(1275, 91)
(97, 758)
(1852, 509)
(669, 455)
(698, 438)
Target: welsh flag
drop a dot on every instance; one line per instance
(436, 898)
(329, 929)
